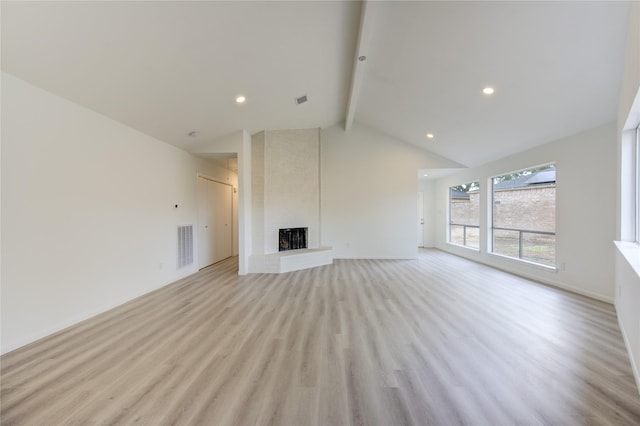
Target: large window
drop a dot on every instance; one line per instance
(637, 164)
(524, 214)
(464, 214)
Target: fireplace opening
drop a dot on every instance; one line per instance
(292, 239)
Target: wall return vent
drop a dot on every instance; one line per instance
(185, 245)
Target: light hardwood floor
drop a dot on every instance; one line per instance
(434, 341)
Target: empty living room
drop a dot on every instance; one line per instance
(320, 213)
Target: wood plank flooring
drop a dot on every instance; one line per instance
(434, 341)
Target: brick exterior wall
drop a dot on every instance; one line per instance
(532, 209)
(466, 212)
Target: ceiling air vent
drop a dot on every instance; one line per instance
(301, 99)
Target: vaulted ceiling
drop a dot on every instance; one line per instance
(170, 68)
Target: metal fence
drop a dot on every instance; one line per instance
(466, 235)
(533, 246)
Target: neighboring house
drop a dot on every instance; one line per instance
(524, 203)
(464, 207)
(527, 202)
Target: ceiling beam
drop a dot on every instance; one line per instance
(364, 37)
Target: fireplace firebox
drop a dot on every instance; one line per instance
(292, 239)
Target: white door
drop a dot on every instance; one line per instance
(420, 219)
(214, 222)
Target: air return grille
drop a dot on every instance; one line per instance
(185, 245)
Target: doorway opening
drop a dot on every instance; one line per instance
(215, 221)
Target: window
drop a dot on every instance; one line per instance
(524, 215)
(637, 164)
(464, 214)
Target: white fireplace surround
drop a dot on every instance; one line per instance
(291, 260)
(286, 191)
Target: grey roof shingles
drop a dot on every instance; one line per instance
(539, 178)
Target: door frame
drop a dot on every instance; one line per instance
(420, 206)
(198, 201)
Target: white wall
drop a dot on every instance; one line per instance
(585, 211)
(88, 217)
(627, 278)
(369, 186)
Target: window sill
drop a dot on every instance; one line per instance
(631, 252)
(525, 262)
(464, 247)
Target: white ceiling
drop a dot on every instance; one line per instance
(556, 68)
(167, 68)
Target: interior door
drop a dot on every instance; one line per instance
(214, 222)
(420, 219)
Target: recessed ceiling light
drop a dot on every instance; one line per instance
(430, 136)
(240, 99)
(488, 90)
(425, 175)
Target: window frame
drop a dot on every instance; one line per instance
(492, 227)
(477, 182)
(637, 184)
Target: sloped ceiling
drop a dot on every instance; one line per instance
(169, 68)
(556, 68)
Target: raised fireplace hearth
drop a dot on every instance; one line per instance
(292, 239)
